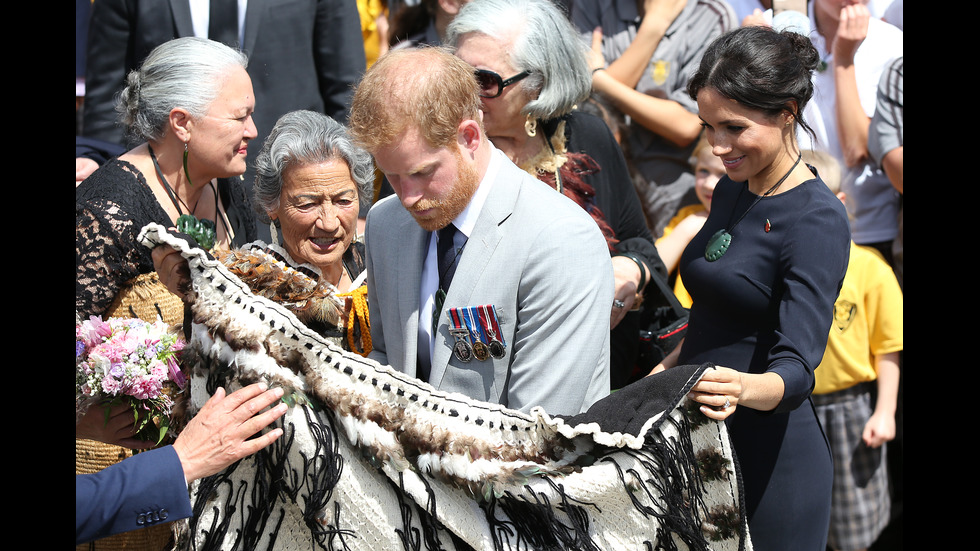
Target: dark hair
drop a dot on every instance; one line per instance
(761, 69)
(411, 20)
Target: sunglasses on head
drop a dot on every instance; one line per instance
(492, 85)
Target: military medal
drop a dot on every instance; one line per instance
(489, 322)
(480, 349)
(462, 349)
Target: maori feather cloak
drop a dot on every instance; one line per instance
(372, 459)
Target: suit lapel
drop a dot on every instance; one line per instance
(408, 257)
(181, 10)
(254, 15)
(475, 260)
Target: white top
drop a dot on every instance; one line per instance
(872, 201)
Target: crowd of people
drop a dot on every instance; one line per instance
(443, 194)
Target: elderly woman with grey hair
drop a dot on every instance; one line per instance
(189, 107)
(311, 181)
(532, 70)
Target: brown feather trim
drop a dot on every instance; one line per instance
(308, 298)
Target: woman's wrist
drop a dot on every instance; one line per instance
(641, 266)
(761, 391)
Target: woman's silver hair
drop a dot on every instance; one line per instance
(184, 72)
(544, 43)
(301, 138)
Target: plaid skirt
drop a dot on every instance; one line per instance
(861, 504)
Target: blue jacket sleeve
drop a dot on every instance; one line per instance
(143, 490)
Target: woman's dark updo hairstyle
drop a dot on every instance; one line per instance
(761, 69)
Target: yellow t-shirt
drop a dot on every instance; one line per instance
(868, 321)
(679, 290)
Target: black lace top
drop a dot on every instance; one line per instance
(111, 207)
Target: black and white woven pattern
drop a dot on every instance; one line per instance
(372, 459)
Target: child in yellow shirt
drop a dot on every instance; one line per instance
(856, 389)
(708, 169)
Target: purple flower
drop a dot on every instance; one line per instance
(176, 375)
(116, 371)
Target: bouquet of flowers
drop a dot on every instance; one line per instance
(132, 362)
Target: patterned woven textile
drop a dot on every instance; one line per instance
(372, 459)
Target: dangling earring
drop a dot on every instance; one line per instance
(273, 232)
(186, 173)
(531, 126)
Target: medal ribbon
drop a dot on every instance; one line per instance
(462, 349)
(474, 326)
(490, 322)
(455, 319)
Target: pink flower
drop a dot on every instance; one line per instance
(110, 386)
(115, 350)
(144, 388)
(92, 331)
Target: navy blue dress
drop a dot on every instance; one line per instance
(767, 306)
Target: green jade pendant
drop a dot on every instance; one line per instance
(203, 231)
(717, 245)
(437, 309)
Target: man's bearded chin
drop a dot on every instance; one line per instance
(446, 210)
(432, 222)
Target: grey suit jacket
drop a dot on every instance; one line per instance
(540, 260)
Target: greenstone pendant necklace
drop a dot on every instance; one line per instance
(719, 242)
(204, 231)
